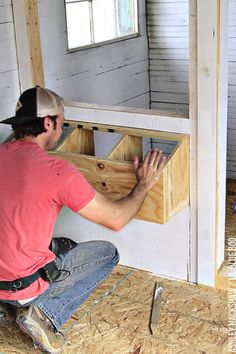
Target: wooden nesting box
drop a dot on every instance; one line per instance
(114, 175)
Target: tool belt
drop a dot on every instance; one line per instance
(49, 272)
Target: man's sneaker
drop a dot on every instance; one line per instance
(36, 324)
(7, 314)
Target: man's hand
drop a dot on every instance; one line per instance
(149, 171)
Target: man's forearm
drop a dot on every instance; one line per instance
(116, 214)
(129, 205)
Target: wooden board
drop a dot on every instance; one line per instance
(123, 117)
(29, 53)
(79, 141)
(32, 20)
(193, 115)
(115, 179)
(128, 147)
(212, 121)
(224, 280)
(125, 130)
(176, 177)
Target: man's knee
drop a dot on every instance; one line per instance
(114, 252)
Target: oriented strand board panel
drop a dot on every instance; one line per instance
(193, 320)
(115, 175)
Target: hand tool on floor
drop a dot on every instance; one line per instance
(156, 307)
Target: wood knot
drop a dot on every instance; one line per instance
(103, 185)
(101, 166)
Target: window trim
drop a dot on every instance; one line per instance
(109, 41)
(100, 44)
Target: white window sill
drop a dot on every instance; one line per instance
(110, 41)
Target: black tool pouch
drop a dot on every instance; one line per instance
(49, 272)
(61, 244)
(58, 246)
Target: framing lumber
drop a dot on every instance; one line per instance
(221, 131)
(32, 19)
(29, 53)
(124, 117)
(146, 133)
(193, 115)
(223, 279)
(212, 122)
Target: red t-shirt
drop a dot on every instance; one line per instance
(33, 188)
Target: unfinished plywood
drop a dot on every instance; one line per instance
(115, 176)
(79, 141)
(193, 320)
(176, 179)
(127, 148)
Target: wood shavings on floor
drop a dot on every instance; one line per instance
(193, 320)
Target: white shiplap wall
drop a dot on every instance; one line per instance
(167, 23)
(9, 81)
(231, 153)
(114, 74)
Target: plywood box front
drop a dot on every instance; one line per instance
(113, 175)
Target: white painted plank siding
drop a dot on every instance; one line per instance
(9, 79)
(114, 74)
(231, 140)
(167, 25)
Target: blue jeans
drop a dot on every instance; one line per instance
(88, 264)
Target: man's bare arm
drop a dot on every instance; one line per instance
(116, 214)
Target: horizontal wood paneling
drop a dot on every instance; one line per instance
(114, 74)
(231, 140)
(9, 79)
(167, 23)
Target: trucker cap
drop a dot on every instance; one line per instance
(34, 103)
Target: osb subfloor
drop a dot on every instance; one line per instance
(193, 320)
(230, 224)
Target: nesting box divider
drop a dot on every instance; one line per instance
(80, 141)
(128, 147)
